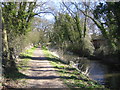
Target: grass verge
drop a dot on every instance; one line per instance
(25, 58)
(17, 79)
(14, 75)
(72, 78)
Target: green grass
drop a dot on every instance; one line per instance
(44, 48)
(28, 53)
(25, 58)
(74, 79)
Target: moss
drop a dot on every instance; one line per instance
(73, 78)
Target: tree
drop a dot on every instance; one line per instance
(105, 18)
(69, 34)
(16, 19)
(108, 14)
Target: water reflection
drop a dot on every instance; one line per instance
(96, 70)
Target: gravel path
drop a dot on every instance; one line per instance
(41, 73)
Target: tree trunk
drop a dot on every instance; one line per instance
(6, 55)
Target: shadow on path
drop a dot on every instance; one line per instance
(44, 58)
(49, 77)
(44, 77)
(39, 67)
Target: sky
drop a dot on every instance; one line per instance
(52, 4)
(55, 4)
(57, 0)
(78, 0)
(49, 17)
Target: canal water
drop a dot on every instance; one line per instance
(105, 74)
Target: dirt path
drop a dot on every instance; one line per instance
(41, 73)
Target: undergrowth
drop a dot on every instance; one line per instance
(16, 78)
(20, 65)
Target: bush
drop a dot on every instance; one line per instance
(84, 47)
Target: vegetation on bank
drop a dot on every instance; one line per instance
(71, 77)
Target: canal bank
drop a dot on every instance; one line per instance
(69, 74)
(103, 73)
